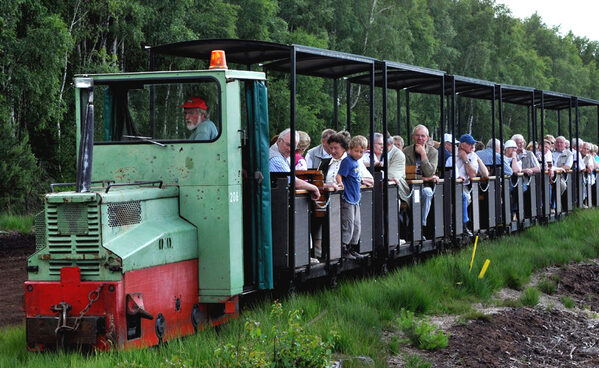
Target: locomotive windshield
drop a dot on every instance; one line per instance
(141, 111)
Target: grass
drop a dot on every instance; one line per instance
(567, 302)
(360, 310)
(20, 223)
(530, 297)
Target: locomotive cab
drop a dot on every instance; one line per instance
(150, 245)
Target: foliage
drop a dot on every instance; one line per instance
(20, 223)
(414, 361)
(421, 333)
(43, 44)
(290, 344)
(567, 302)
(547, 286)
(530, 297)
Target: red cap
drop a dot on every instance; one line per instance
(195, 103)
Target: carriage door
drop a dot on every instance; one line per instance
(256, 190)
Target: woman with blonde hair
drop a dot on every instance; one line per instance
(302, 146)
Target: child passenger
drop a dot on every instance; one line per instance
(349, 176)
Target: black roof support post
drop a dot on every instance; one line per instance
(292, 92)
(559, 123)
(577, 117)
(371, 138)
(386, 164)
(348, 92)
(335, 104)
(441, 160)
(528, 118)
(499, 176)
(408, 127)
(459, 114)
(453, 155)
(546, 206)
(399, 112)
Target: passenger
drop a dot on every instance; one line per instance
(448, 143)
(338, 144)
(302, 145)
(596, 155)
(479, 146)
(562, 160)
(349, 177)
(198, 120)
(576, 143)
(493, 149)
(398, 142)
(468, 165)
(397, 169)
(551, 140)
(526, 159)
(562, 157)
(587, 157)
(279, 161)
(423, 159)
(378, 152)
(511, 155)
(320, 152)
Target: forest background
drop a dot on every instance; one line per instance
(44, 43)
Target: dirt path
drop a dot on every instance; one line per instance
(548, 335)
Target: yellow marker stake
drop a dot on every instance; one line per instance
(484, 269)
(473, 253)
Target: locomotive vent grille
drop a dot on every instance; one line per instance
(73, 231)
(125, 213)
(40, 230)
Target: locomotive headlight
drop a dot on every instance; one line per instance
(84, 82)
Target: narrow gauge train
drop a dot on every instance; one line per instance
(162, 235)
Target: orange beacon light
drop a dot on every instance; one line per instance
(218, 60)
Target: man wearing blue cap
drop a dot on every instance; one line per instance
(468, 165)
(198, 120)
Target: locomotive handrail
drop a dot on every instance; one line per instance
(159, 182)
(54, 185)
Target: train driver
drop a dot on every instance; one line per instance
(198, 120)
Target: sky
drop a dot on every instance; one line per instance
(579, 16)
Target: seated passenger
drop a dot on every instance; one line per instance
(378, 152)
(423, 159)
(198, 120)
(526, 159)
(320, 152)
(562, 157)
(446, 149)
(302, 145)
(468, 165)
(279, 161)
(398, 141)
(493, 149)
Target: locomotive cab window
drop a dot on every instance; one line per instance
(150, 111)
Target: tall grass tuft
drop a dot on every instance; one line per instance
(19, 223)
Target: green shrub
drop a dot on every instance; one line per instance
(289, 345)
(567, 302)
(530, 297)
(547, 286)
(414, 361)
(421, 333)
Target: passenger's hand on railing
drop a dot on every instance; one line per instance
(527, 171)
(314, 192)
(433, 178)
(368, 181)
(331, 185)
